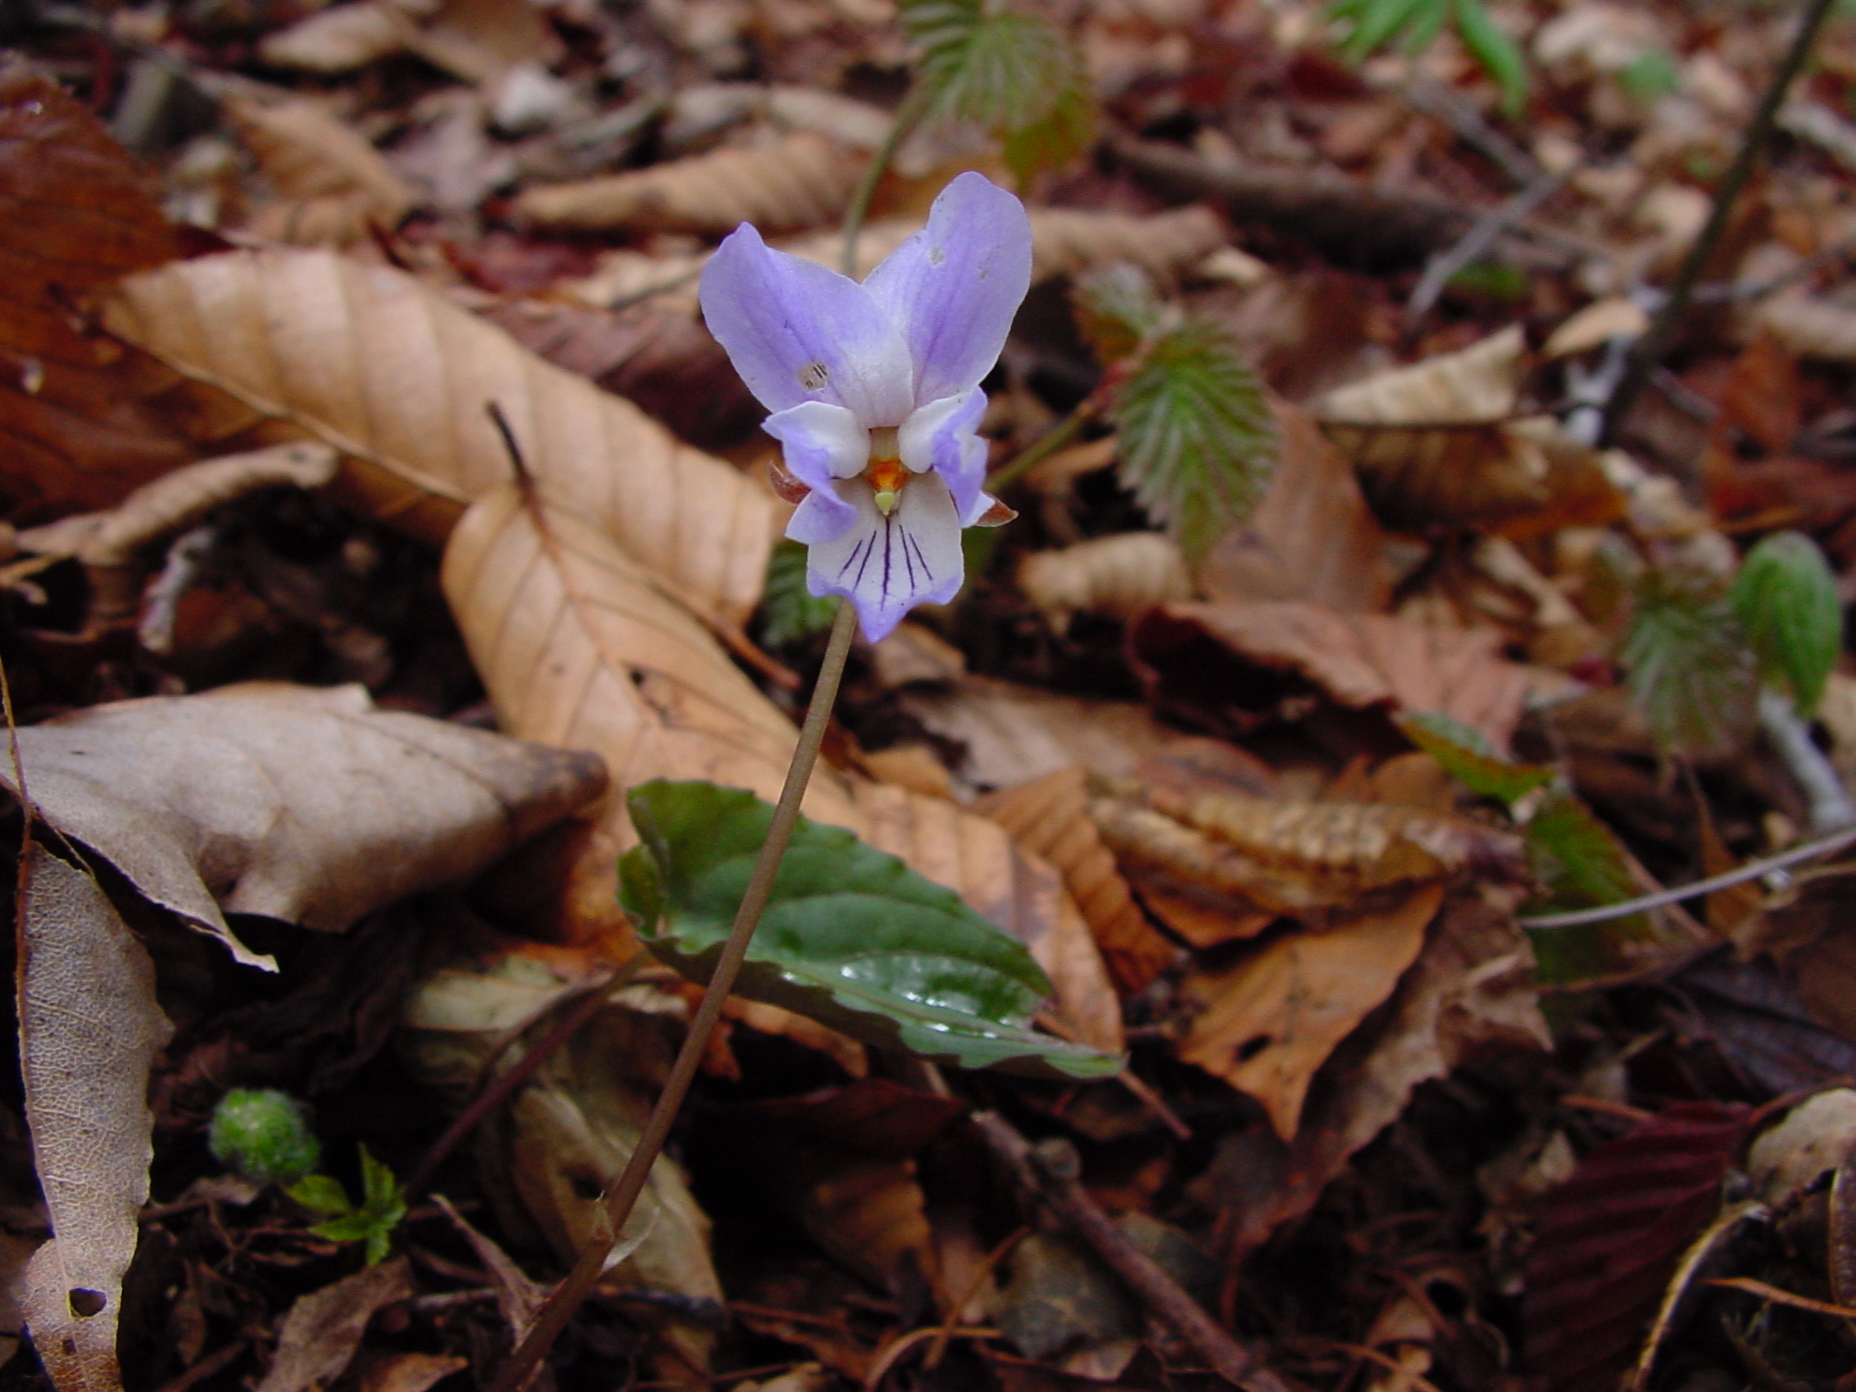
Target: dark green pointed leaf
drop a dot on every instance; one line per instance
(850, 936)
(1497, 53)
(1469, 757)
(1011, 72)
(790, 611)
(1198, 444)
(1689, 668)
(1370, 25)
(1786, 599)
(1579, 864)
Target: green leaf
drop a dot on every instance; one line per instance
(1375, 23)
(1469, 757)
(1015, 74)
(321, 1193)
(850, 936)
(1689, 668)
(1198, 444)
(789, 611)
(381, 1193)
(349, 1227)
(1786, 598)
(1372, 24)
(1497, 53)
(1578, 864)
(379, 1243)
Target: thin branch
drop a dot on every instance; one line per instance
(907, 118)
(623, 1195)
(1482, 235)
(1045, 445)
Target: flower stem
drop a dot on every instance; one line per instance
(1044, 446)
(622, 1196)
(908, 116)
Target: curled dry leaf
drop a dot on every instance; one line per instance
(1049, 817)
(1283, 857)
(75, 212)
(332, 182)
(324, 1328)
(1276, 655)
(798, 180)
(300, 804)
(396, 377)
(1268, 1023)
(1430, 440)
(577, 648)
(89, 1029)
(1119, 575)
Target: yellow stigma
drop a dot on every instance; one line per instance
(885, 472)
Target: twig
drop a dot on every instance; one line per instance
(910, 114)
(1752, 870)
(1828, 800)
(1159, 1292)
(1482, 235)
(1649, 349)
(1456, 111)
(1045, 445)
(623, 1195)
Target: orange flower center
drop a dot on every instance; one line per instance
(885, 471)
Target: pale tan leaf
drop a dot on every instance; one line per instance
(389, 372)
(482, 40)
(798, 180)
(1594, 326)
(1271, 1021)
(344, 37)
(332, 181)
(1477, 385)
(476, 40)
(296, 803)
(1312, 537)
(1360, 661)
(404, 1372)
(1049, 817)
(89, 1030)
(577, 648)
(324, 1328)
(1119, 575)
(1810, 327)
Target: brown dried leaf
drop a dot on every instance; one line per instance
(75, 212)
(343, 37)
(396, 377)
(1284, 652)
(296, 803)
(476, 40)
(1810, 327)
(1430, 440)
(332, 180)
(798, 180)
(324, 1328)
(1312, 537)
(1119, 575)
(1272, 1020)
(89, 1030)
(1049, 817)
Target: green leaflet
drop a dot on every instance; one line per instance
(1786, 599)
(1012, 73)
(1372, 24)
(789, 611)
(1578, 863)
(1469, 757)
(850, 936)
(383, 1205)
(1689, 668)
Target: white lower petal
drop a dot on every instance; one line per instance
(887, 565)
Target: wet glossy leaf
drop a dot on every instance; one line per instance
(1786, 599)
(850, 936)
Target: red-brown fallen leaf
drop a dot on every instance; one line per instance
(1611, 1237)
(75, 211)
(1237, 666)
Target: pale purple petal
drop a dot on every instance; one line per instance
(797, 332)
(954, 286)
(820, 517)
(887, 565)
(941, 436)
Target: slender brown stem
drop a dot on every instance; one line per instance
(1648, 350)
(907, 118)
(1045, 445)
(623, 1195)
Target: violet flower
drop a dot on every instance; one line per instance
(875, 391)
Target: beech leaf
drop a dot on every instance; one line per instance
(850, 936)
(1786, 599)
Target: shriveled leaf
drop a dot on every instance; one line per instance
(296, 803)
(850, 936)
(1688, 665)
(397, 378)
(1049, 816)
(332, 182)
(1011, 72)
(1467, 754)
(75, 212)
(789, 611)
(1786, 600)
(799, 180)
(1270, 1022)
(324, 1328)
(89, 1030)
(1120, 575)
